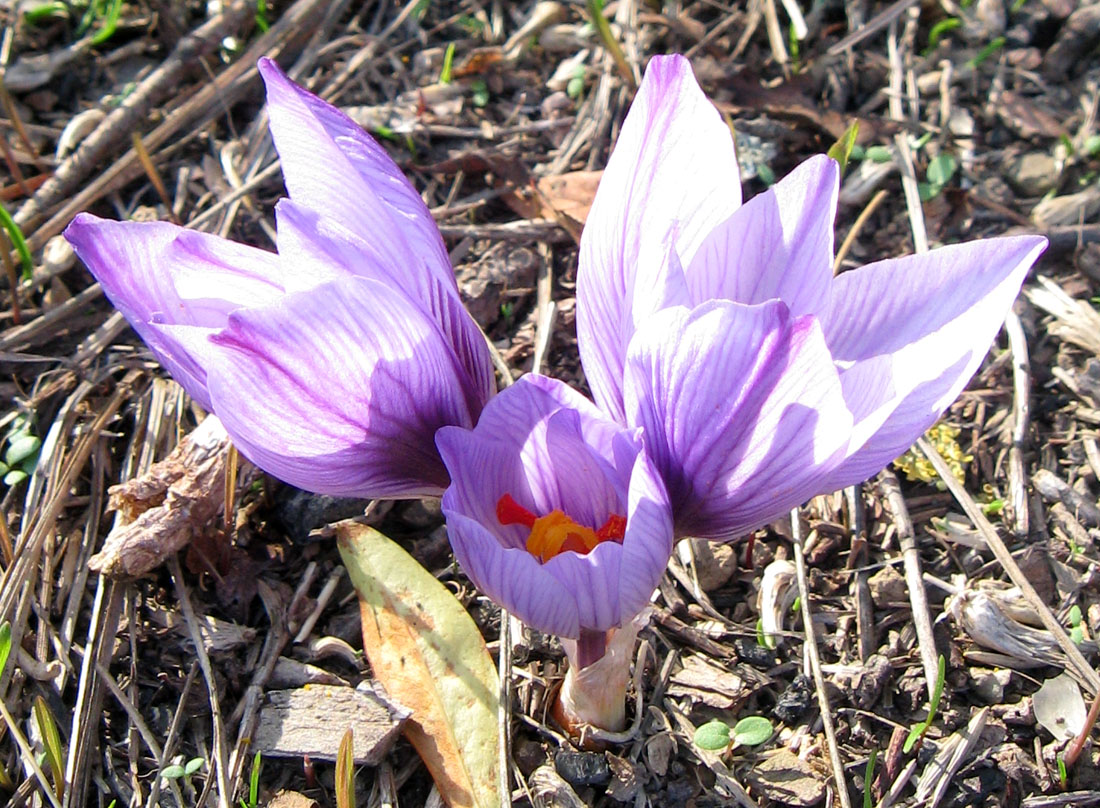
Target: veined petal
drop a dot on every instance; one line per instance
(332, 166)
(530, 443)
(155, 272)
(340, 389)
(314, 249)
(910, 332)
(671, 179)
(742, 412)
(511, 577)
(777, 246)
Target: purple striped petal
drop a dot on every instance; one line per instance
(778, 246)
(314, 249)
(532, 443)
(335, 168)
(742, 411)
(158, 273)
(671, 180)
(910, 332)
(340, 389)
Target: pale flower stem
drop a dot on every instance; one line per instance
(595, 694)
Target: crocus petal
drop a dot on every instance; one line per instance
(314, 249)
(910, 332)
(155, 272)
(742, 411)
(340, 389)
(778, 246)
(511, 577)
(332, 166)
(530, 443)
(671, 179)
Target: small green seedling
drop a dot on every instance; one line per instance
(253, 784)
(938, 30)
(21, 455)
(184, 772)
(446, 74)
(51, 741)
(868, 776)
(918, 731)
(1076, 628)
(1063, 774)
(479, 93)
(987, 51)
(576, 84)
(841, 151)
(941, 169)
(718, 736)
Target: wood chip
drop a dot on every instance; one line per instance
(788, 779)
(311, 721)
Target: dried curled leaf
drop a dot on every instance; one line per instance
(430, 656)
(163, 509)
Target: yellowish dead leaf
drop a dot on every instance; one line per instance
(430, 656)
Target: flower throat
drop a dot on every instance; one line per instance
(555, 532)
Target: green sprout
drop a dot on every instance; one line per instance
(184, 772)
(941, 169)
(987, 51)
(841, 151)
(446, 74)
(868, 776)
(938, 30)
(253, 784)
(917, 733)
(718, 736)
(21, 456)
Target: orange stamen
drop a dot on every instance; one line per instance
(555, 532)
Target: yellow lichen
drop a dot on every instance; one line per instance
(945, 438)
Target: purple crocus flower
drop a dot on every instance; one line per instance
(758, 378)
(556, 512)
(334, 362)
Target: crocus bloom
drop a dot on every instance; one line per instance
(557, 513)
(759, 379)
(334, 362)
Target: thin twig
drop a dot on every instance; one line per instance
(914, 577)
(220, 757)
(815, 663)
(1021, 414)
(1088, 676)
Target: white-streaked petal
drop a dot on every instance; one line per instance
(777, 246)
(671, 179)
(741, 409)
(340, 389)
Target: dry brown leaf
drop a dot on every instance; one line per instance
(163, 509)
(431, 657)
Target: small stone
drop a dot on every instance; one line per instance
(301, 512)
(659, 750)
(888, 588)
(753, 653)
(715, 563)
(582, 768)
(789, 780)
(876, 672)
(794, 701)
(1032, 174)
(989, 685)
(528, 754)
(627, 779)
